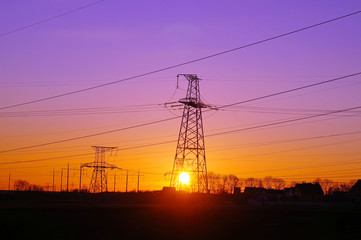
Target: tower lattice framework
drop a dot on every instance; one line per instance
(190, 154)
(98, 182)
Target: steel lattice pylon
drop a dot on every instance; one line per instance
(98, 182)
(190, 155)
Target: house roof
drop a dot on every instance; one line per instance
(309, 188)
(356, 187)
(253, 190)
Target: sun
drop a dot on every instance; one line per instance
(184, 178)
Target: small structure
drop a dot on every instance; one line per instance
(255, 195)
(355, 192)
(308, 191)
(275, 195)
(288, 192)
(237, 191)
(169, 190)
(356, 188)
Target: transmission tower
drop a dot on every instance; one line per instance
(190, 157)
(98, 182)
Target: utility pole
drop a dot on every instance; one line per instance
(9, 182)
(138, 182)
(115, 179)
(80, 171)
(61, 180)
(190, 157)
(126, 183)
(67, 180)
(53, 178)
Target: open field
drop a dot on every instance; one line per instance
(152, 216)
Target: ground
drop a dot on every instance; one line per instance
(187, 218)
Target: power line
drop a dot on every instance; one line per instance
(286, 121)
(90, 135)
(144, 107)
(345, 171)
(130, 107)
(308, 167)
(279, 109)
(172, 141)
(228, 147)
(84, 111)
(300, 149)
(47, 159)
(182, 64)
(225, 106)
(127, 148)
(291, 90)
(49, 19)
(165, 142)
(290, 113)
(42, 151)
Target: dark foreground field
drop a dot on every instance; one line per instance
(164, 217)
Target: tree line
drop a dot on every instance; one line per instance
(23, 185)
(218, 183)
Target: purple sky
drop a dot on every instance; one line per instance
(118, 39)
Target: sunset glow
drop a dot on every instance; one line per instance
(295, 136)
(180, 119)
(184, 178)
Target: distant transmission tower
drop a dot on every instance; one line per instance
(98, 182)
(190, 156)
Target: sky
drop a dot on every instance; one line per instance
(113, 40)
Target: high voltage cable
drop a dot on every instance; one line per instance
(308, 167)
(90, 135)
(47, 159)
(234, 146)
(282, 110)
(291, 90)
(182, 64)
(140, 125)
(345, 171)
(83, 111)
(254, 99)
(285, 121)
(50, 18)
(117, 110)
(299, 149)
(289, 113)
(225, 106)
(224, 128)
(165, 142)
(287, 141)
(139, 108)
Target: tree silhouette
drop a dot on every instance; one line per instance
(267, 182)
(278, 183)
(250, 182)
(233, 181)
(21, 185)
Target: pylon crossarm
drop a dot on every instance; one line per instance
(106, 165)
(111, 166)
(89, 165)
(190, 102)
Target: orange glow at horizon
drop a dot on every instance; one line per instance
(62, 56)
(184, 178)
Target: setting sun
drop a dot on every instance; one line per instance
(184, 178)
